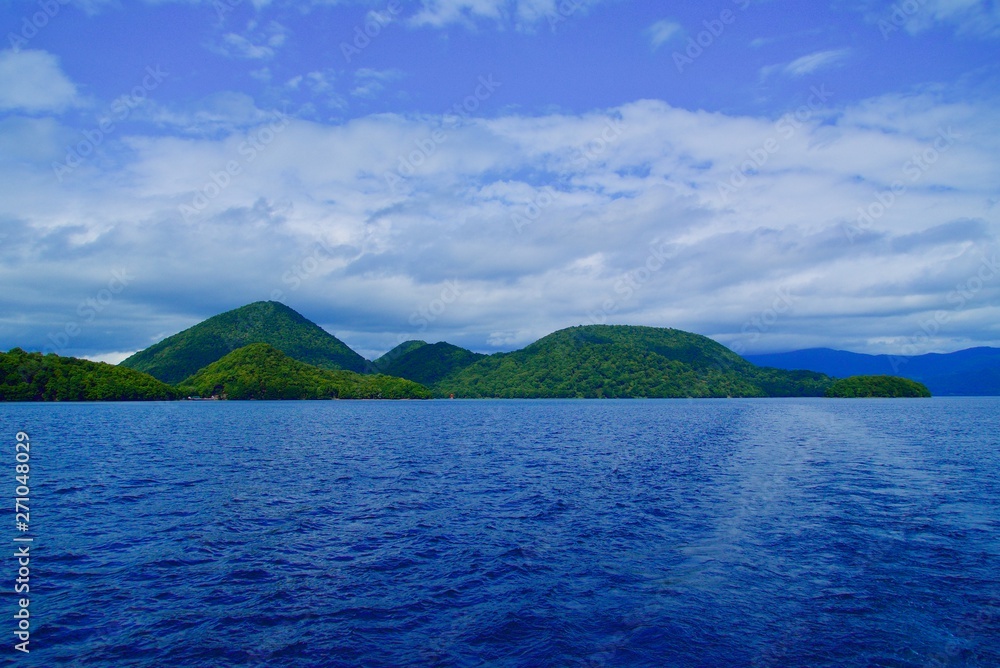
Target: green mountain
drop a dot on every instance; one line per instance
(857, 387)
(261, 371)
(624, 361)
(177, 357)
(397, 352)
(428, 363)
(36, 377)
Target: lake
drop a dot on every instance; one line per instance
(798, 532)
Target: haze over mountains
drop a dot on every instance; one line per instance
(972, 372)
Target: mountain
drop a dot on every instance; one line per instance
(177, 357)
(261, 371)
(972, 372)
(397, 352)
(624, 361)
(428, 363)
(866, 387)
(36, 377)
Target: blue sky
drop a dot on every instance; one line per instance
(775, 175)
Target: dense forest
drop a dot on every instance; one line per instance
(428, 363)
(36, 377)
(863, 387)
(265, 350)
(617, 361)
(260, 371)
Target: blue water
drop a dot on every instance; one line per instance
(511, 533)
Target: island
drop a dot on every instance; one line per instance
(868, 387)
(268, 351)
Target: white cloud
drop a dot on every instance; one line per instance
(974, 18)
(263, 74)
(810, 63)
(223, 112)
(258, 44)
(241, 47)
(438, 13)
(662, 32)
(370, 82)
(319, 86)
(32, 80)
(524, 14)
(816, 61)
(624, 223)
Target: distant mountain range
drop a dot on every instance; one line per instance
(266, 350)
(972, 372)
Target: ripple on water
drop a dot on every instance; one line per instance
(520, 533)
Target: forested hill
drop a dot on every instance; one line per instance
(593, 361)
(396, 353)
(36, 377)
(260, 371)
(427, 363)
(625, 361)
(181, 355)
(870, 387)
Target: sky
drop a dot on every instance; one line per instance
(775, 175)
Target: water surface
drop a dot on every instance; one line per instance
(514, 533)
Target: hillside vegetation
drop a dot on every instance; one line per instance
(620, 361)
(403, 348)
(36, 377)
(428, 363)
(178, 356)
(857, 387)
(261, 371)
(266, 350)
